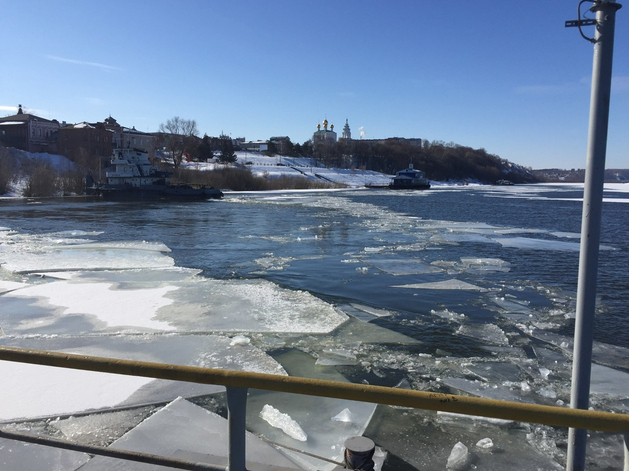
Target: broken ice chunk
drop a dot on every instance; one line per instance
(336, 356)
(458, 458)
(344, 416)
(549, 393)
(485, 443)
(240, 340)
(486, 332)
(284, 422)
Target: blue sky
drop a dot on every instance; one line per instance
(503, 75)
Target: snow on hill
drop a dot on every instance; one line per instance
(19, 164)
(23, 158)
(278, 165)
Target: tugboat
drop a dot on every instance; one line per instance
(409, 179)
(135, 177)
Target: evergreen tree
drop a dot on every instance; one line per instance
(205, 149)
(227, 149)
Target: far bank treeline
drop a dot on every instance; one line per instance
(439, 160)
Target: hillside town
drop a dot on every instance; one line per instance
(33, 133)
(89, 147)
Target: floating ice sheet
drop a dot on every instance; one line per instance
(496, 372)
(355, 332)
(162, 300)
(113, 308)
(461, 418)
(26, 257)
(567, 235)
(39, 390)
(336, 357)
(512, 306)
(405, 267)
(602, 353)
(248, 306)
(187, 431)
(485, 265)
(362, 312)
(63, 391)
(609, 382)
(475, 265)
(454, 238)
(542, 244)
(21, 456)
(481, 389)
(452, 284)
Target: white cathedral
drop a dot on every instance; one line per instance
(328, 135)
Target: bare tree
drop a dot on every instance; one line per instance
(179, 137)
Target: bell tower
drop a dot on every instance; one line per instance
(347, 134)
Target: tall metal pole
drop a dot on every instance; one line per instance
(591, 223)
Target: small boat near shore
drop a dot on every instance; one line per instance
(409, 179)
(135, 177)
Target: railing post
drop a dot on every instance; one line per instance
(237, 417)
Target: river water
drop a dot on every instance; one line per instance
(478, 282)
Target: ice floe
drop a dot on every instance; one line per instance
(452, 284)
(39, 390)
(542, 244)
(29, 257)
(58, 388)
(103, 300)
(186, 431)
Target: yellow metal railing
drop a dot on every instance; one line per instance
(241, 381)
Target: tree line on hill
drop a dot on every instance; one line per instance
(611, 175)
(439, 160)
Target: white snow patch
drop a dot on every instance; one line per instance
(40, 390)
(111, 306)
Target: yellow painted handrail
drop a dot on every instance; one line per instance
(507, 410)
